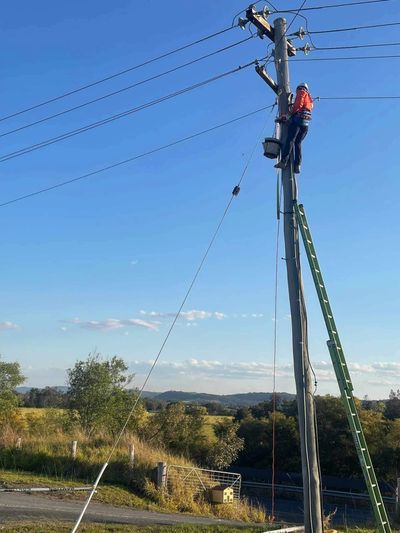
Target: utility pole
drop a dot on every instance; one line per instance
(313, 521)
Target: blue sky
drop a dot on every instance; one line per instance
(101, 264)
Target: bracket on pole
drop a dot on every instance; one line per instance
(267, 78)
(264, 27)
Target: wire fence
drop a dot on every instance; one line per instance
(200, 480)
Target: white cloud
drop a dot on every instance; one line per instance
(134, 262)
(189, 316)
(7, 325)
(111, 324)
(63, 328)
(382, 372)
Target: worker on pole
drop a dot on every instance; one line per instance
(299, 119)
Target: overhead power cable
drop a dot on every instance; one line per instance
(350, 58)
(116, 74)
(353, 28)
(358, 98)
(118, 116)
(352, 46)
(133, 158)
(123, 89)
(330, 6)
(214, 236)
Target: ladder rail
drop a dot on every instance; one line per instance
(343, 376)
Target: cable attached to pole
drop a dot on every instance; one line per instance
(133, 158)
(127, 88)
(234, 194)
(115, 75)
(112, 118)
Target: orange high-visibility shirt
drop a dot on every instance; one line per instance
(302, 102)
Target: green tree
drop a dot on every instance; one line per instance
(97, 393)
(392, 408)
(179, 428)
(337, 451)
(258, 442)
(47, 397)
(10, 378)
(226, 450)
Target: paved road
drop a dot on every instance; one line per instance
(18, 506)
(34, 507)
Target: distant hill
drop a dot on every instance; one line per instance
(246, 399)
(24, 390)
(233, 400)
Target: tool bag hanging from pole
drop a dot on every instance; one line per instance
(272, 145)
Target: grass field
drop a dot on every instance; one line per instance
(210, 421)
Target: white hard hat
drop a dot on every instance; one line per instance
(303, 85)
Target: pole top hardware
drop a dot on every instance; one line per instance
(242, 23)
(301, 33)
(306, 49)
(259, 19)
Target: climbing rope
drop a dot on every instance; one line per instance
(275, 344)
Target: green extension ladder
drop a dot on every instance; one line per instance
(343, 376)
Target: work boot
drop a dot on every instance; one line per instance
(281, 164)
(297, 169)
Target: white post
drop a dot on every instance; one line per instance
(161, 475)
(74, 448)
(131, 455)
(18, 444)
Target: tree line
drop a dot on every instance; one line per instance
(99, 400)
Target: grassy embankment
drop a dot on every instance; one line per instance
(45, 460)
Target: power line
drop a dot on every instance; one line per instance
(123, 89)
(133, 158)
(295, 16)
(113, 118)
(354, 28)
(234, 193)
(116, 74)
(350, 58)
(329, 6)
(358, 98)
(352, 46)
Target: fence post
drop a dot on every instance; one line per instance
(161, 475)
(74, 448)
(398, 499)
(18, 444)
(131, 455)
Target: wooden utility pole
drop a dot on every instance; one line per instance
(313, 521)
